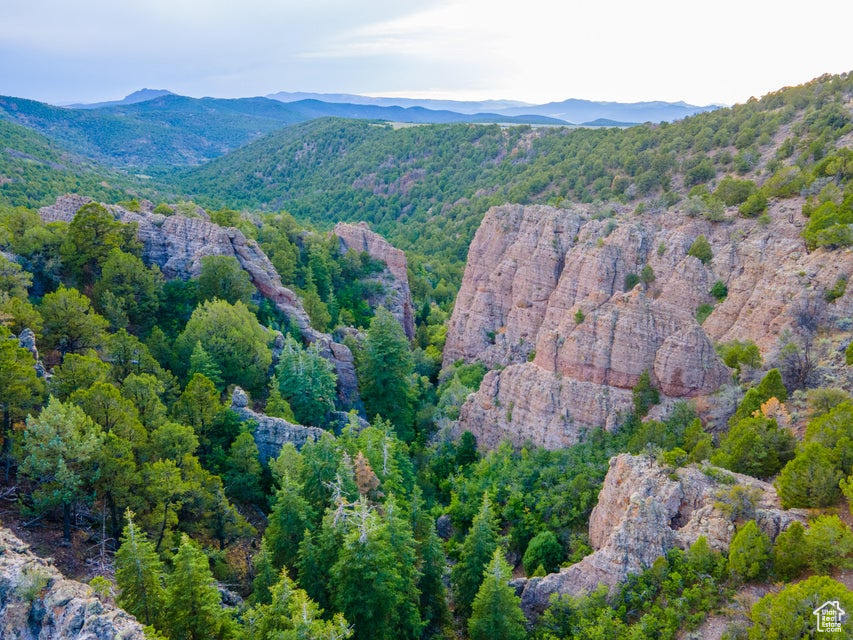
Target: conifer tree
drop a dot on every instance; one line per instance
(749, 552)
(265, 575)
(277, 406)
(289, 518)
(477, 550)
(242, 477)
(201, 362)
(139, 575)
(496, 613)
(193, 608)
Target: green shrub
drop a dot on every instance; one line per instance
(848, 354)
(736, 353)
(754, 205)
(830, 225)
(631, 281)
(701, 249)
(719, 290)
(703, 311)
(733, 191)
(749, 553)
(837, 289)
(579, 316)
(543, 550)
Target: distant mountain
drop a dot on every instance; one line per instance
(587, 111)
(604, 122)
(137, 96)
(568, 111)
(459, 106)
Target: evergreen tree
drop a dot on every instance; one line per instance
(222, 277)
(199, 407)
(201, 362)
(277, 406)
(243, 473)
(789, 552)
(59, 447)
(756, 446)
(291, 615)
(70, 323)
(289, 518)
(544, 549)
(132, 286)
(787, 615)
(265, 575)
(810, 480)
(385, 374)
(21, 388)
(193, 605)
(139, 575)
(749, 552)
(477, 551)
(496, 612)
(307, 380)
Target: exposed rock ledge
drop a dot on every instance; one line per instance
(643, 512)
(397, 297)
(177, 244)
(63, 609)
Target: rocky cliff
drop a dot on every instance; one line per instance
(177, 244)
(38, 603)
(644, 510)
(543, 295)
(396, 296)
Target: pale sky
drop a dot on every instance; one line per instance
(64, 51)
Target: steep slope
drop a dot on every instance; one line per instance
(547, 285)
(177, 244)
(37, 602)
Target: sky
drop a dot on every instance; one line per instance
(536, 51)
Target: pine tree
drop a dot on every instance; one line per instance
(496, 613)
(291, 614)
(201, 362)
(289, 518)
(243, 474)
(385, 372)
(193, 608)
(477, 550)
(139, 575)
(749, 552)
(265, 575)
(277, 406)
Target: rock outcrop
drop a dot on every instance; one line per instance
(543, 296)
(38, 603)
(643, 511)
(395, 296)
(271, 433)
(27, 340)
(177, 244)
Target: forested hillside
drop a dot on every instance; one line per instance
(150, 349)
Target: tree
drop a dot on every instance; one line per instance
(771, 386)
(77, 371)
(790, 555)
(291, 615)
(736, 353)
(59, 446)
(787, 615)
(193, 609)
(544, 549)
(139, 576)
(496, 612)
(243, 470)
(385, 371)
(307, 381)
(749, 552)
(644, 395)
(834, 430)
(92, 235)
(701, 249)
(477, 550)
(233, 338)
(201, 362)
(104, 403)
(130, 289)
(145, 392)
(199, 407)
(21, 389)
(222, 277)
(829, 544)
(755, 446)
(290, 517)
(810, 480)
(277, 406)
(70, 323)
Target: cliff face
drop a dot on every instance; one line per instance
(546, 285)
(396, 296)
(643, 511)
(177, 244)
(38, 603)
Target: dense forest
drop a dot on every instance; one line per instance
(118, 431)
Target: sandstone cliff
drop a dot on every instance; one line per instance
(643, 511)
(546, 285)
(38, 603)
(177, 244)
(396, 296)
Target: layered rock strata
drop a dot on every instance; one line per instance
(643, 511)
(396, 296)
(271, 433)
(177, 244)
(543, 296)
(38, 603)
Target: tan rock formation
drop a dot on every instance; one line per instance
(177, 244)
(397, 297)
(532, 269)
(643, 511)
(38, 603)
